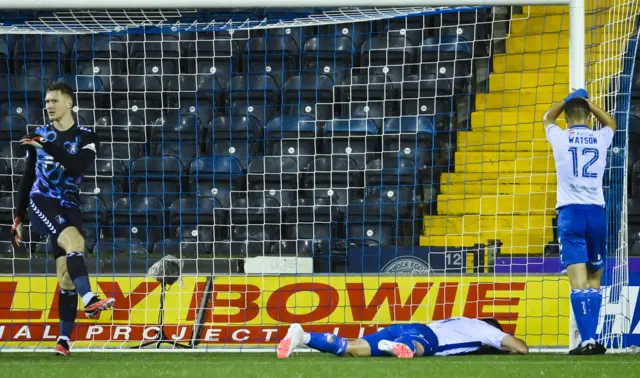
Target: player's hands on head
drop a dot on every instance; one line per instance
(33, 140)
(578, 93)
(16, 232)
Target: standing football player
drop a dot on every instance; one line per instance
(580, 155)
(57, 155)
(449, 337)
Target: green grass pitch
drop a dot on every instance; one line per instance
(306, 365)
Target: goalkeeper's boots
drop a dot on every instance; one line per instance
(96, 305)
(294, 338)
(62, 348)
(399, 350)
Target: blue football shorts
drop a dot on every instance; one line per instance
(582, 234)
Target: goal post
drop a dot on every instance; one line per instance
(341, 167)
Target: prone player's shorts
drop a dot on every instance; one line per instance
(421, 332)
(582, 234)
(48, 217)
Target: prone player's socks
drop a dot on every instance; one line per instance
(67, 309)
(79, 275)
(326, 342)
(580, 305)
(594, 301)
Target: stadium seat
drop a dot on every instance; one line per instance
(136, 93)
(274, 172)
(177, 135)
(5, 57)
(201, 91)
(292, 138)
(105, 178)
(309, 95)
(337, 177)
(188, 240)
(358, 139)
(249, 240)
(90, 91)
(94, 219)
(364, 87)
(255, 95)
(275, 56)
(391, 56)
(241, 137)
(371, 223)
(330, 56)
(27, 89)
(396, 182)
(125, 131)
(447, 48)
(138, 220)
(408, 138)
(411, 27)
(217, 56)
(159, 177)
(33, 52)
(158, 55)
(98, 55)
(196, 211)
(374, 111)
(218, 176)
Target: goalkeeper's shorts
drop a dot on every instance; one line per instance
(48, 217)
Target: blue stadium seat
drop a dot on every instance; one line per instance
(393, 56)
(196, 211)
(411, 27)
(138, 220)
(409, 138)
(274, 172)
(309, 95)
(188, 240)
(105, 178)
(276, 57)
(358, 32)
(98, 55)
(396, 183)
(33, 52)
(336, 177)
(250, 240)
(159, 177)
(363, 87)
(446, 48)
(214, 57)
(126, 132)
(5, 57)
(14, 118)
(330, 56)
(27, 89)
(292, 138)
(255, 95)
(372, 223)
(158, 55)
(90, 91)
(358, 139)
(258, 206)
(177, 135)
(94, 219)
(201, 91)
(241, 137)
(218, 175)
(138, 93)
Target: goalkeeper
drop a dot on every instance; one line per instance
(447, 337)
(57, 155)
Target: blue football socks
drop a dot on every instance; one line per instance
(586, 310)
(328, 343)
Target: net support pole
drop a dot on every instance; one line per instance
(576, 80)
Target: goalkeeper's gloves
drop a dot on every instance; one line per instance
(34, 140)
(578, 93)
(16, 232)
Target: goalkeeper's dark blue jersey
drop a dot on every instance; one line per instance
(59, 165)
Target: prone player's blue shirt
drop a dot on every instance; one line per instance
(52, 180)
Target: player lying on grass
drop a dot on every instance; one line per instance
(58, 154)
(580, 154)
(448, 337)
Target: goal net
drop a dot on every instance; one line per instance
(342, 168)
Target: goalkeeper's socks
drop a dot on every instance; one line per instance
(586, 309)
(326, 342)
(79, 275)
(67, 308)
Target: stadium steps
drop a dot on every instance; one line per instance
(523, 24)
(491, 187)
(480, 178)
(521, 162)
(551, 60)
(516, 241)
(526, 138)
(554, 42)
(528, 203)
